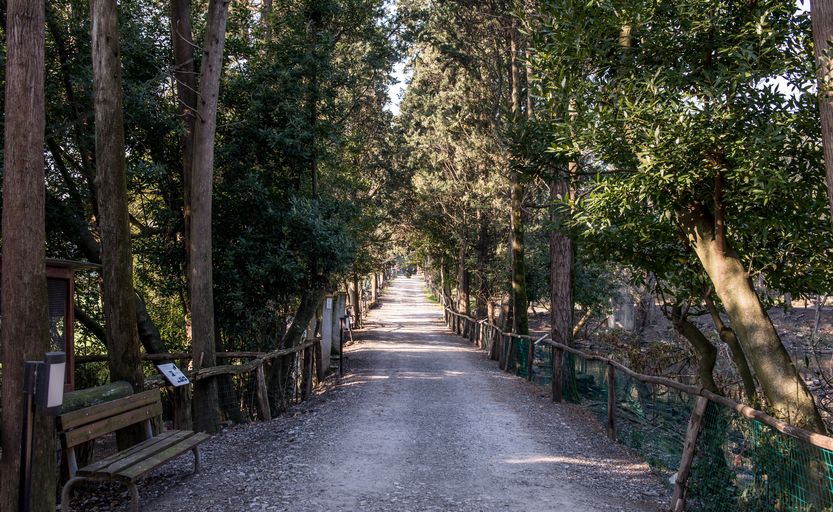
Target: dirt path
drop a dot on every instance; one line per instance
(421, 422)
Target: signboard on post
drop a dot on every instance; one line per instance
(173, 374)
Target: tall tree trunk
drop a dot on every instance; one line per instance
(356, 301)
(445, 283)
(483, 292)
(561, 267)
(182, 41)
(374, 290)
(561, 278)
(822, 18)
(463, 288)
(123, 355)
(25, 332)
(265, 14)
(788, 396)
(520, 321)
(201, 287)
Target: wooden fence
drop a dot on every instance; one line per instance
(502, 346)
(254, 368)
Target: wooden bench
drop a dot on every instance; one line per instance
(129, 465)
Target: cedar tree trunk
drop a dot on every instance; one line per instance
(25, 332)
(520, 321)
(124, 358)
(200, 284)
(822, 18)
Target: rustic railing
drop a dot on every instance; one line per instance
(732, 456)
(251, 389)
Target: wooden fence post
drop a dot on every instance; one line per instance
(695, 424)
(611, 402)
(530, 359)
(494, 348)
(261, 391)
(557, 374)
(502, 352)
(509, 342)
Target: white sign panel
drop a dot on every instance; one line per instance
(173, 374)
(329, 303)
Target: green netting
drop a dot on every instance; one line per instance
(542, 367)
(748, 466)
(651, 419)
(519, 358)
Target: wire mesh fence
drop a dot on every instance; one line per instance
(746, 465)
(740, 463)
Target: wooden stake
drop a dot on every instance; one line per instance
(695, 424)
(262, 397)
(611, 402)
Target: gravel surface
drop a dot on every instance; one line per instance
(421, 421)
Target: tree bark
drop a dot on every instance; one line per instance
(727, 335)
(706, 353)
(356, 301)
(821, 12)
(520, 321)
(201, 287)
(483, 292)
(788, 396)
(124, 357)
(463, 288)
(25, 332)
(561, 269)
(182, 41)
(265, 14)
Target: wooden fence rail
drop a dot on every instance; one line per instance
(255, 365)
(460, 324)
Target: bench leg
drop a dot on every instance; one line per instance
(134, 496)
(196, 451)
(67, 491)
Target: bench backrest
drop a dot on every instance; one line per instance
(95, 421)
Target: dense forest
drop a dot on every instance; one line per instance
(228, 163)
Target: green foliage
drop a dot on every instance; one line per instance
(689, 97)
(307, 94)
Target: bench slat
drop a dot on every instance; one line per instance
(106, 461)
(94, 413)
(158, 459)
(103, 426)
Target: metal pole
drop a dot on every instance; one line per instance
(30, 374)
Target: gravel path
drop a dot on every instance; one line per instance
(420, 422)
